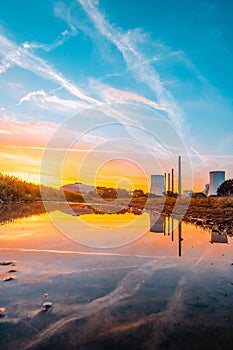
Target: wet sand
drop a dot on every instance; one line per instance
(155, 304)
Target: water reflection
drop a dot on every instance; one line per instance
(137, 284)
(218, 237)
(157, 223)
(143, 233)
(12, 211)
(165, 224)
(180, 239)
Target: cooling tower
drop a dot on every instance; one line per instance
(157, 185)
(216, 179)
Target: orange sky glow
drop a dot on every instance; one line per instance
(21, 150)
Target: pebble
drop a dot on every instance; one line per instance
(8, 278)
(7, 262)
(2, 312)
(47, 306)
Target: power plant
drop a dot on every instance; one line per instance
(157, 185)
(216, 179)
(161, 184)
(169, 181)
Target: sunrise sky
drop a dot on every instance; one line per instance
(169, 60)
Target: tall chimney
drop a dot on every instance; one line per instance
(172, 180)
(169, 182)
(165, 184)
(179, 176)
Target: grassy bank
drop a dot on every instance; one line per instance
(14, 190)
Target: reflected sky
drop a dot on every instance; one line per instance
(146, 235)
(158, 275)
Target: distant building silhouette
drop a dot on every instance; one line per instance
(78, 187)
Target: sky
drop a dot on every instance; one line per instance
(68, 68)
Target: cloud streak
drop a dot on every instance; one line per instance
(135, 60)
(111, 94)
(49, 101)
(14, 55)
(62, 38)
(26, 134)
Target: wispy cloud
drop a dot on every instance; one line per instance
(111, 94)
(14, 133)
(60, 40)
(15, 55)
(4, 65)
(50, 101)
(126, 43)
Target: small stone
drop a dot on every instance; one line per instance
(47, 306)
(2, 312)
(8, 278)
(7, 262)
(46, 295)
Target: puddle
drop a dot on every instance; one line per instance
(129, 278)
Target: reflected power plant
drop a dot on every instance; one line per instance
(165, 224)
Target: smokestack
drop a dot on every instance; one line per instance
(179, 176)
(172, 180)
(165, 182)
(169, 181)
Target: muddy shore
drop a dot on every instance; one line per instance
(220, 219)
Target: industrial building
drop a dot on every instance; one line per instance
(157, 185)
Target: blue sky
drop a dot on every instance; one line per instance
(60, 57)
